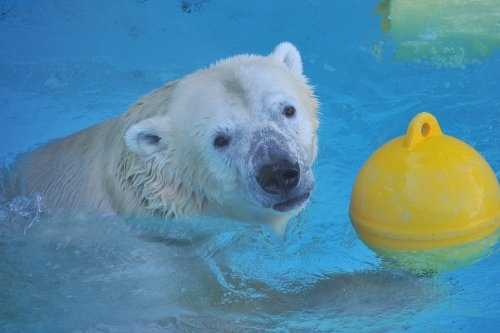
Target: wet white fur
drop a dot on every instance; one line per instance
(112, 167)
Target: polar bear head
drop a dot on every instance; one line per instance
(235, 140)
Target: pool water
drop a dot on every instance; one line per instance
(65, 65)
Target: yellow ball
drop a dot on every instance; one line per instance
(427, 200)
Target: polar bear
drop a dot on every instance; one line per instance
(235, 140)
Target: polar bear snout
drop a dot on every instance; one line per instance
(279, 176)
(282, 177)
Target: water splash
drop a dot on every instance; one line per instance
(20, 214)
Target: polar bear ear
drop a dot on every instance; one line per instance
(145, 138)
(288, 54)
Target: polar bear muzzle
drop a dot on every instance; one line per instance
(282, 174)
(279, 175)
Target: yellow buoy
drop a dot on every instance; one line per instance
(426, 200)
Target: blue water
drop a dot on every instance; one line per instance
(65, 65)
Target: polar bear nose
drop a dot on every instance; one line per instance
(279, 177)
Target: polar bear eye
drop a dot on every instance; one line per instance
(289, 111)
(150, 139)
(221, 141)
